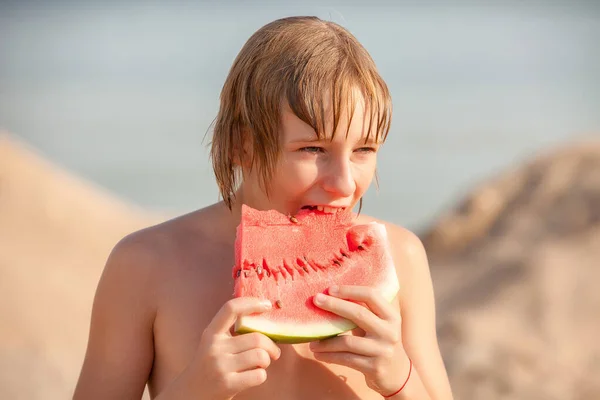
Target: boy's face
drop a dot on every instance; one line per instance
(310, 172)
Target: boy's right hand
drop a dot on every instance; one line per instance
(227, 364)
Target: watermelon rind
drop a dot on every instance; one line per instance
(292, 333)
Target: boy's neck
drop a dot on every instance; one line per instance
(236, 209)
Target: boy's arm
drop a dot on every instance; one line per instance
(120, 353)
(419, 335)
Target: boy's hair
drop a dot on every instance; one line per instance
(308, 62)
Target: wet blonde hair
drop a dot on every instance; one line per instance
(317, 67)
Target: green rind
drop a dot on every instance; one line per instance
(243, 325)
(284, 339)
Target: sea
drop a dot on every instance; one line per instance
(123, 93)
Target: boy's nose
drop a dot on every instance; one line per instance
(339, 179)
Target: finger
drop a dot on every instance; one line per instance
(244, 380)
(247, 341)
(347, 344)
(234, 308)
(360, 315)
(249, 359)
(354, 361)
(371, 297)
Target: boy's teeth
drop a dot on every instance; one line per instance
(327, 210)
(324, 209)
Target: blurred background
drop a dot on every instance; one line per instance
(493, 158)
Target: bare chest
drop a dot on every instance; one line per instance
(186, 311)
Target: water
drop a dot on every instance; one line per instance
(123, 95)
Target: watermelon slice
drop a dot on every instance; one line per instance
(290, 259)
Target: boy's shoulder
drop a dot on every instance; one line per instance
(401, 239)
(154, 250)
(407, 248)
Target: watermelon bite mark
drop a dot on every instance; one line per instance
(289, 262)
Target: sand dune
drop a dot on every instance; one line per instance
(515, 266)
(55, 234)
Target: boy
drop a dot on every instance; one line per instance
(303, 113)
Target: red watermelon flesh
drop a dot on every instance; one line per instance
(290, 259)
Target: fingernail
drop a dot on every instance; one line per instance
(320, 298)
(334, 290)
(266, 303)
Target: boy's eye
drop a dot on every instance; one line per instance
(367, 149)
(315, 149)
(311, 149)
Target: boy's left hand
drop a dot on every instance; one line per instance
(379, 354)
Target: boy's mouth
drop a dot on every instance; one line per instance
(324, 209)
